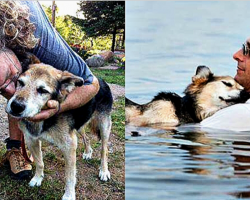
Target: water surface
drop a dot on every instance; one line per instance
(187, 163)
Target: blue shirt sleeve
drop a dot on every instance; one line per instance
(52, 48)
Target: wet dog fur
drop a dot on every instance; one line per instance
(203, 97)
(35, 87)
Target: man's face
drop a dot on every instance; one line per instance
(243, 67)
(9, 68)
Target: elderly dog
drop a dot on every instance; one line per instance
(35, 87)
(203, 97)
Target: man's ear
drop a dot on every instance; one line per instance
(69, 82)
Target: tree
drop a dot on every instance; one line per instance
(102, 18)
(71, 32)
(74, 34)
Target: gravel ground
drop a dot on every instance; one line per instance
(4, 129)
(117, 91)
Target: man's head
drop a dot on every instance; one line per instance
(16, 33)
(10, 69)
(243, 68)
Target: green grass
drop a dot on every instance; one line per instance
(21, 190)
(111, 76)
(118, 118)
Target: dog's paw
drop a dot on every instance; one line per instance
(104, 175)
(36, 181)
(68, 197)
(87, 156)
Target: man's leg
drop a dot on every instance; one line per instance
(20, 168)
(15, 132)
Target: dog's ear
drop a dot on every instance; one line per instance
(69, 81)
(203, 74)
(33, 59)
(26, 58)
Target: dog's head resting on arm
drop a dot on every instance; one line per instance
(211, 93)
(38, 84)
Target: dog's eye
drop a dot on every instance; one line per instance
(42, 91)
(227, 84)
(20, 83)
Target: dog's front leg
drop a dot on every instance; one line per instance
(34, 146)
(69, 152)
(104, 122)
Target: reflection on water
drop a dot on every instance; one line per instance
(187, 163)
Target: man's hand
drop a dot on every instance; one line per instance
(53, 108)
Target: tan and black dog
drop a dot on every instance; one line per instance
(203, 97)
(35, 87)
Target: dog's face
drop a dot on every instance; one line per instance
(212, 93)
(36, 86)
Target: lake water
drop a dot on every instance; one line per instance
(165, 42)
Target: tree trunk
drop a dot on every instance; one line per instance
(53, 13)
(113, 40)
(123, 39)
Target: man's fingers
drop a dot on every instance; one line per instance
(53, 104)
(53, 108)
(44, 114)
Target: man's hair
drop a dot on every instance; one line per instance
(16, 30)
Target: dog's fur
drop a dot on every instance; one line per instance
(203, 97)
(35, 87)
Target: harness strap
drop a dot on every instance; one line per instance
(24, 152)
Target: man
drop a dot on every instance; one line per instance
(236, 117)
(51, 49)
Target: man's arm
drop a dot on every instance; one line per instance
(234, 118)
(54, 50)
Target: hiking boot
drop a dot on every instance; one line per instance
(20, 168)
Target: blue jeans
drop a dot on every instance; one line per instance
(52, 48)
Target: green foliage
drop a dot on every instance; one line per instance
(102, 18)
(118, 118)
(120, 61)
(74, 34)
(70, 31)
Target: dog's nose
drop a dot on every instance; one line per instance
(17, 107)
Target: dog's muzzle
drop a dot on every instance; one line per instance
(242, 98)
